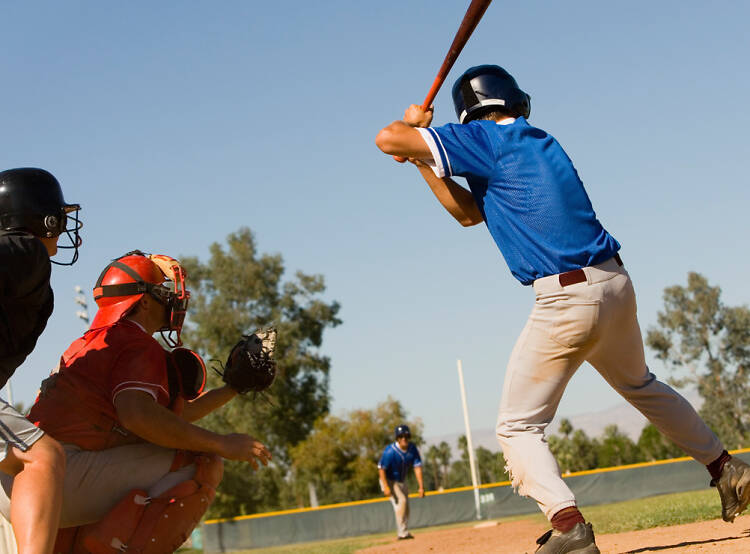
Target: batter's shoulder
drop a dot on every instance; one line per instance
(22, 248)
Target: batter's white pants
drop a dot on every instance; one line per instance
(592, 321)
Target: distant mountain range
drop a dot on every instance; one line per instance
(628, 420)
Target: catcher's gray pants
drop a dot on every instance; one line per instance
(592, 321)
(400, 502)
(95, 481)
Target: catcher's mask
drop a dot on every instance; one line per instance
(485, 88)
(31, 200)
(127, 278)
(186, 372)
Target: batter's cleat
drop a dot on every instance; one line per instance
(579, 540)
(405, 537)
(734, 488)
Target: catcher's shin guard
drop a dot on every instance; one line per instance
(158, 525)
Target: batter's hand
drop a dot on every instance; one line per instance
(238, 446)
(421, 492)
(386, 490)
(417, 117)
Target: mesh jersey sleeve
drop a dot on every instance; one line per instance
(141, 366)
(383, 462)
(417, 458)
(464, 150)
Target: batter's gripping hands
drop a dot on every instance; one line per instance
(250, 365)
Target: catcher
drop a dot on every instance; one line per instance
(139, 475)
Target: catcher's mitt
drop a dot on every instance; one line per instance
(250, 365)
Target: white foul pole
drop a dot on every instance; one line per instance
(472, 463)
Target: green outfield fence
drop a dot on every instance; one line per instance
(349, 519)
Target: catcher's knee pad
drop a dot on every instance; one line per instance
(155, 525)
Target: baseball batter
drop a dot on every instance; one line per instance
(395, 462)
(33, 215)
(524, 187)
(138, 473)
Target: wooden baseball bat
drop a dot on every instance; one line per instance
(473, 15)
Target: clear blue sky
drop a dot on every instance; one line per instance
(175, 123)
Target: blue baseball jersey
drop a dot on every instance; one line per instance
(528, 192)
(397, 463)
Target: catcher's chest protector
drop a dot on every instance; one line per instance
(143, 525)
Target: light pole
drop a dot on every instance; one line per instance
(83, 312)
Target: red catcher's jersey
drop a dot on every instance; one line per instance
(77, 406)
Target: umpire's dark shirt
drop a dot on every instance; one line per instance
(25, 298)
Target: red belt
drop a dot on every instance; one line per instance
(578, 275)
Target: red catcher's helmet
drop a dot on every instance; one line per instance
(124, 282)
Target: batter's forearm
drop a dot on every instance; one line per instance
(458, 201)
(402, 139)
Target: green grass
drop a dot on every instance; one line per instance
(656, 511)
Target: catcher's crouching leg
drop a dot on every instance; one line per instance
(154, 525)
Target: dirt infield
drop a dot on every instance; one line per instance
(519, 536)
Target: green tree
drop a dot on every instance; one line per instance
(236, 291)
(340, 456)
(437, 461)
(574, 450)
(616, 449)
(490, 466)
(708, 343)
(459, 474)
(655, 446)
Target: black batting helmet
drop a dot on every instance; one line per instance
(402, 431)
(31, 200)
(485, 88)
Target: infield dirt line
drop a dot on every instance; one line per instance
(518, 537)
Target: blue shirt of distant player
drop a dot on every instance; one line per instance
(528, 192)
(397, 463)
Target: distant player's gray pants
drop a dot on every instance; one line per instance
(400, 502)
(592, 321)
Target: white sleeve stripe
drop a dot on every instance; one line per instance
(149, 391)
(436, 163)
(444, 154)
(140, 385)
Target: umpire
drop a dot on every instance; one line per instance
(393, 466)
(33, 215)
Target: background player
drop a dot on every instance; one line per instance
(395, 462)
(523, 186)
(33, 214)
